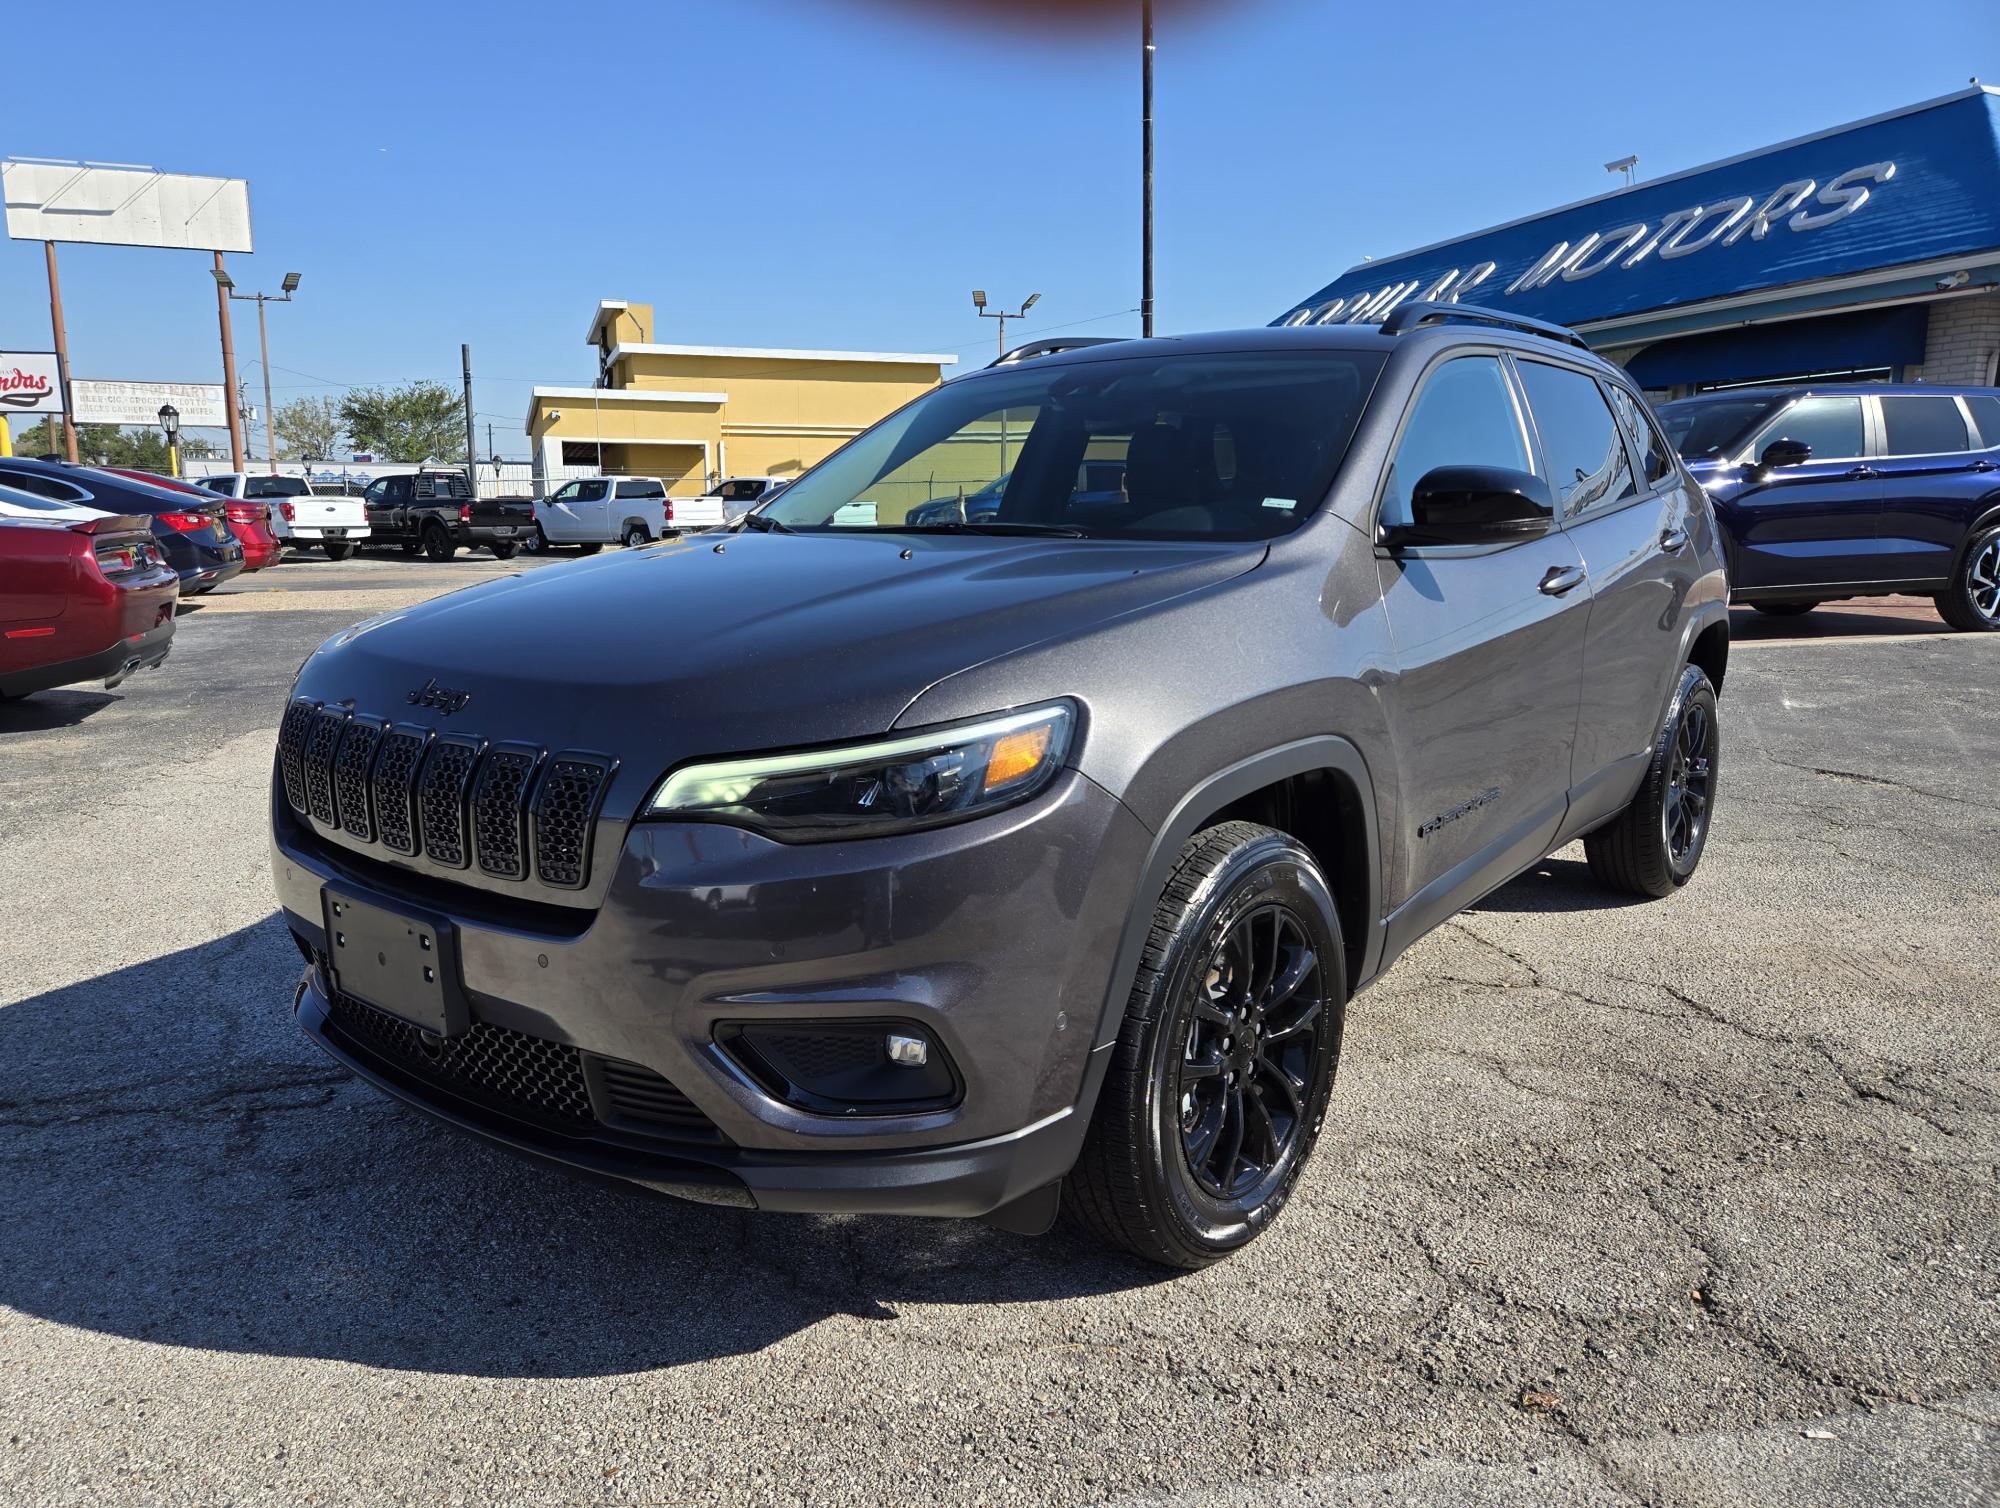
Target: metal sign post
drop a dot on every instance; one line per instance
(236, 451)
(62, 352)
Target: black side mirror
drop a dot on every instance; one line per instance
(1474, 505)
(1783, 452)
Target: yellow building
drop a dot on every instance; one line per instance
(692, 414)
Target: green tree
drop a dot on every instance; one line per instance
(309, 427)
(419, 421)
(108, 445)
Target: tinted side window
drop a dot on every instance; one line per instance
(591, 492)
(62, 492)
(1464, 416)
(1649, 449)
(1831, 426)
(640, 489)
(1986, 414)
(1588, 464)
(1922, 426)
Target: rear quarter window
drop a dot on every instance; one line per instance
(1922, 426)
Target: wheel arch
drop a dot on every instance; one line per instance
(1274, 787)
(634, 521)
(1986, 516)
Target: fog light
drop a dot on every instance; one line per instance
(859, 1066)
(908, 1052)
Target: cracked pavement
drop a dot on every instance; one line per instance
(1691, 1202)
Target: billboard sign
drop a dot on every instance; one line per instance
(116, 205)
(202, 405)
(30, 383)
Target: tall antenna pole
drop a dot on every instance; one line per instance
(1146, 152)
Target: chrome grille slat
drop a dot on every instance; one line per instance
(322, 741)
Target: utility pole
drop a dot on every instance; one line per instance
(227, 284)
(62, 354)
(1146, 170)
(471, 435)
(229, 384)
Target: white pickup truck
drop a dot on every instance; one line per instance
(595, 511)
(333, 521)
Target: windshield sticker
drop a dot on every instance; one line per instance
(855, 515)
(1286, 504)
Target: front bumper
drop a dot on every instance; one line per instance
(996, 937)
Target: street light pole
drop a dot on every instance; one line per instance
(226, 286)
(1146, 171)
(979, 303)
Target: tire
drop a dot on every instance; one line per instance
(438, 544)
(338, 549)
(635, 536)
(1971, 604)
(1652, 847)
(535, 542)
(590, 549)
(504, 549)
(1784, 609)
(1144, 1181)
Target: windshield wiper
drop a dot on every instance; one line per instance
(765, 525)
(987, 526)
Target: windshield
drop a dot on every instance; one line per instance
(274, 486)
(1702, 429)
(1236, 445)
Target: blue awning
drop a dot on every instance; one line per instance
(1829, 343)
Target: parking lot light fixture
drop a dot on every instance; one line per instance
(290, 284)
(1003, 315)
(222, 277)
(170, 426)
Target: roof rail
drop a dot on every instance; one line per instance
(1049, 347)
(1407, 317)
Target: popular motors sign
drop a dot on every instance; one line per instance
(1901, 194)
(29, 383)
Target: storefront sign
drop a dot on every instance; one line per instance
(29, 383)
(1900, 189)
(202, 405)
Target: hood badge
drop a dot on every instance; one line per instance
(442, 699)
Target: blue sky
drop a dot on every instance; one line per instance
(836, 173)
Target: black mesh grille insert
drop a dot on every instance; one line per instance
(322, 738)
(350, 778)
(441, 800)
(499, 811)
(564, 809)
(523, 1075)
(292, 751)
(635, 1096)
(395, 789)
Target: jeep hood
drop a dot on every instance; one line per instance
(754, 641)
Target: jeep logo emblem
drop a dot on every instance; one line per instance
(441, 698)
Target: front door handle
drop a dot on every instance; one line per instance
(1860, 473)
(1562, 579)
(1674, 540)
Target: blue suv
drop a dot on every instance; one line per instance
(1845, 491)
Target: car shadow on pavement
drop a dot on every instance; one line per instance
(46, 711)
(1556, 885)
(183, 1167)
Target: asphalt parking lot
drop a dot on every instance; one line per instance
(1692, 1202)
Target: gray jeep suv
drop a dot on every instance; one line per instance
(971, 861)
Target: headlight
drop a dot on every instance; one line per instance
(886, 785)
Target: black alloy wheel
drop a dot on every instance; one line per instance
(1219, 1081)
(1784, 609)
(438, 543)
(1251, 1043)
(1651, 848)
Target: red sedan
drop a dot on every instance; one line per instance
(90, 600)
(249, 521)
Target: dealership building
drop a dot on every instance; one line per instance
(690, 414)
(1868, 252)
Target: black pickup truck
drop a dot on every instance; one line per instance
(436, 512)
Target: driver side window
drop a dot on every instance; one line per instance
(1465, 416)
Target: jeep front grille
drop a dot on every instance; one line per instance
(512, 810)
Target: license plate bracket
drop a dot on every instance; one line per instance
(334, 533)
(403, 964)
